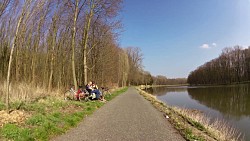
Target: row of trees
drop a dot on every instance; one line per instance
(163, 80)
(232, 66)
(55, 43)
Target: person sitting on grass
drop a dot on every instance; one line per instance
(96, 89)
(80, 93)
(91, 87)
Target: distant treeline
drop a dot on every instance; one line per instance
(163, 80)
(232, 66)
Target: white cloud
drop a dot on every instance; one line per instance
(214, 44)
(205, 46)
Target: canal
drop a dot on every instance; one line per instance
(227, 103)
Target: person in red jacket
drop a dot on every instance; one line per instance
(80, 93)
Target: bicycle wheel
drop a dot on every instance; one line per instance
(68, 95)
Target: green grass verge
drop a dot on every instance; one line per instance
(109, 97)
(191, 137)
(50, 117)
(2, 106)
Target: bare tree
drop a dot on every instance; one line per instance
(73, 41)
(51, 39)
(85, 36)
(135, 63)
(54, 31)
(20, 19)
(3, 5)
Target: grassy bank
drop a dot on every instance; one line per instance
(155, 86)
(45, 117)
(193, 124)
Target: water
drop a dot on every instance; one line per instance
(229, 103)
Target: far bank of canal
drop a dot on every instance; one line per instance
(227, 103)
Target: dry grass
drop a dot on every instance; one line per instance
(15, 117)
(200, 126)
(218, 128)
(26, 92)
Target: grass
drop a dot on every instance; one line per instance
(49, 117)
(25, 92)
(189, 135)
(193, 125)
(108, 97)
(12, 131)
(2, 106)
(217, 128)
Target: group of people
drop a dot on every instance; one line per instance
(92, 88)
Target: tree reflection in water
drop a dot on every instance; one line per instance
(231, 103)
(229, 100)
(159, 91)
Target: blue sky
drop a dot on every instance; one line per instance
(177, 36)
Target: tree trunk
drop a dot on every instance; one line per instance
(52, 53)
(85, 40)
(10, 60)
(73, 44)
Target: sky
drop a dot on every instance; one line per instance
(177, 36)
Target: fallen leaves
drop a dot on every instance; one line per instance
(16, 116)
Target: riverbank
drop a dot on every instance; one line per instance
(220, 84)
(199, 85)
(154, 86)
(193, 124)
(46, 117)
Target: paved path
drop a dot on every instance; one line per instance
(128, 117)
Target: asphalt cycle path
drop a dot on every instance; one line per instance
(128, 117)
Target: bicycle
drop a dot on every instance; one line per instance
(71, 94)
(105, 91)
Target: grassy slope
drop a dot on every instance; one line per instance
(50, 117)
(189, 127)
